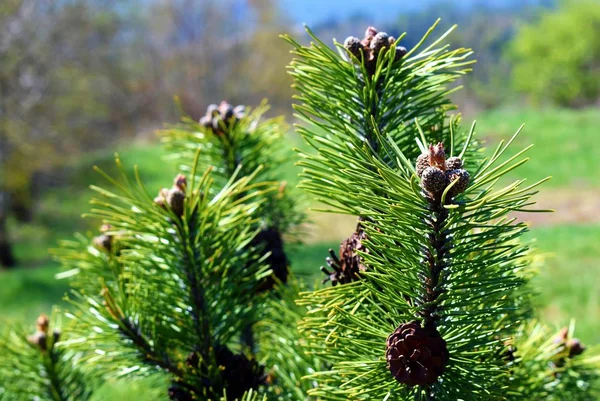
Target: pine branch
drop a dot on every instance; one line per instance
(169, 257)
(37, 367)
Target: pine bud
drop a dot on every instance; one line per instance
(575, 347)
(454, 163)
(391, 40)
(226, 110)
(437, 156)
(463, 181)
(380, 41)
(206, 122)
(39, 339)
(353, 46)
(422, 164)
(433, 180)
(212, 110)
(400, 52)
(239, 112)
(103, 242)
(370, 32)
(42, 323)
(416, 355)
(180, 182)
(176, 200)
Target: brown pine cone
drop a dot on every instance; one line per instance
(416, 355)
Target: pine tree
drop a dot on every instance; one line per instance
(432, 297)
(175, 284)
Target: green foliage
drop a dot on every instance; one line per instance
(168, 286)
(557, 59)
(36, 367)
(558, 376)
(283, 347)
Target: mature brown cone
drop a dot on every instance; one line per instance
(416, 355)
(349, 265)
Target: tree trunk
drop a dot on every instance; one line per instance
(6, 255)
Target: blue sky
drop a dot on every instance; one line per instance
(315, 11)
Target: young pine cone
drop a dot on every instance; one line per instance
(174, 197)
(434, 181)
(103, 242)
(354, 46)
(416, 355)
(380, 41)
(462, 177)
(40, 338)
(176, 200)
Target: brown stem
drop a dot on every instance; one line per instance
(436, 259)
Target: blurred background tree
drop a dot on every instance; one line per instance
(557, 58)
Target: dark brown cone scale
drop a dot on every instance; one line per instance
(416, 355)
(349, 265)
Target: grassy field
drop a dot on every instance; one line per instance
(569, 281)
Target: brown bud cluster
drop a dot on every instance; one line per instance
(573, 347)
(349, 265)
(371, 46)
(416, 355)
(104, 241)
(40, 338)
(223, 116)
(436, 173)
(173, 198)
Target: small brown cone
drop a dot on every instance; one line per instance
(454, 163)
(422, 164)
(353, 46)
(462, 177)
(433, 181)
(176, 200)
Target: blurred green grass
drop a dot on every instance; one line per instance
(566, 144)
(569, 284)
